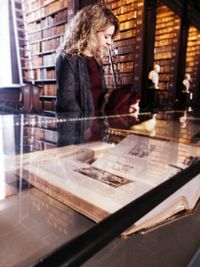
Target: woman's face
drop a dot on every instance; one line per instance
(104, 39)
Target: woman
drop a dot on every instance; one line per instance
(80, 76)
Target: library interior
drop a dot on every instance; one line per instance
(100, 143)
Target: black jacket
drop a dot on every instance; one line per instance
(73, 84)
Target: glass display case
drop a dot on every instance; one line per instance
(122, 187)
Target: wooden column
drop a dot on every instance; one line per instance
(139, 47)
(148, 52)
(182, 49)
(75, 5)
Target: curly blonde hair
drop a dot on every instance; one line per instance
(81, 29)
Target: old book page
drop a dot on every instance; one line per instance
(89, 190)
(145, 160)
(17, 161)
(185, 198)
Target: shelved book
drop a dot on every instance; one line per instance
(98, 184)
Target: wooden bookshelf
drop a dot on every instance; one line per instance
(40, 135)
(128, 44)
(166, 46)
(46, 22)
(193, 59)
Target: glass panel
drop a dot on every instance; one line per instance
(61, 174)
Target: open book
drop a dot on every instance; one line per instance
(122, 174)
(149, 162)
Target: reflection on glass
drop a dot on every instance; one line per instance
(2, 167)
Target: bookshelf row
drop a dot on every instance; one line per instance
(193, 56)
(44, 10)
(47, 33)
(128, 13)
(165, 48)
(48, 22)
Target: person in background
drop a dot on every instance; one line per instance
(80, 79)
